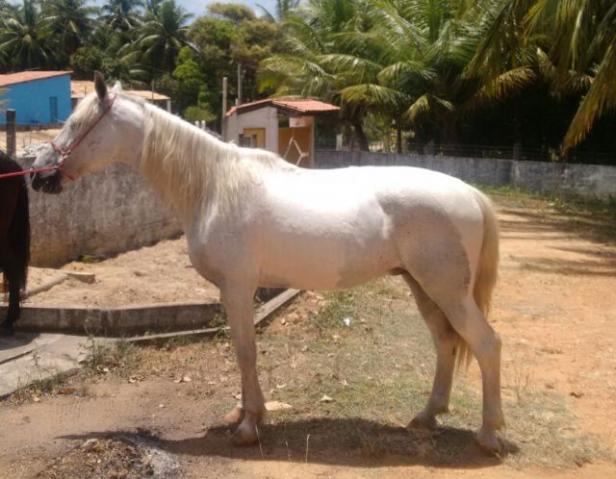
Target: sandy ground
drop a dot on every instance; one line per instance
(553, 307)
(26, 138)
(155, 274)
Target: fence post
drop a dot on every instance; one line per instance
(11, 136)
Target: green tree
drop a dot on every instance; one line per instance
(303, 66)
(162, 36)
(24, 38)
(70, 22)
(122, 15)
(583, 37)
(229, 36)
(189, 80)
(235, 12)
(85, 61)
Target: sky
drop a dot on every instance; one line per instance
(197, 7)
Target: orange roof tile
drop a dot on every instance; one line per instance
(22, 77)
(299, 105)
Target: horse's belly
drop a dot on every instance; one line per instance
(320, 276)
(313, 261)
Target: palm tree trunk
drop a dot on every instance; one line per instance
(360, 135)
(450, 133)
(398, 138)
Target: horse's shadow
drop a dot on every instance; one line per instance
(348, 442)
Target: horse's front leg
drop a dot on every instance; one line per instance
(239, 307)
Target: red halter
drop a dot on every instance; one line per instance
(64, 153)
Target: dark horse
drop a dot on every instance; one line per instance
(14, 237)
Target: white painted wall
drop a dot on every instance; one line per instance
(266, 117)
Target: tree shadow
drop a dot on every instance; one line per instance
(567, 267)
(347, 442)
(595, 228)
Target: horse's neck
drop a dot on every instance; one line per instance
(189, 167)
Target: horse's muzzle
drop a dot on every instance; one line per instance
(47, 182)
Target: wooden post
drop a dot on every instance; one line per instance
(223, 126)
(11, 135)
(239, 84)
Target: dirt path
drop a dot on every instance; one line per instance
(555, 302)
(154, 274)
(553, 308)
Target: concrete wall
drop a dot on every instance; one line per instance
(31, 100)
(587, 180)
(101, 214)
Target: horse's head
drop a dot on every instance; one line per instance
(104, 128)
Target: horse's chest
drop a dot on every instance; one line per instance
(218, 253)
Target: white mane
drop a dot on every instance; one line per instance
(186, 164)
(189, 165)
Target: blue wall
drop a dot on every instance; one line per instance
(32, 100)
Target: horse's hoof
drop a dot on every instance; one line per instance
(423, 421)
(489, 441)
(235, 416)
(245, 435)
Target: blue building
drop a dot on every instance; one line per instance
(39, 98)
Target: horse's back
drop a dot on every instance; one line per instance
(347, 191)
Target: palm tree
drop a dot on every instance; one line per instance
(305, 68)
(583, 52)
(162, 35)
(283, 9)
(398, 61)
(24, 38)
(70, 21)
(122, 15)
(571, 45)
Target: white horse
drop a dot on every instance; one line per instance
(251, 219)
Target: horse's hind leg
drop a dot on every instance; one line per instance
(470, 323)
(445, 340)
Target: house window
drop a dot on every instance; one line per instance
(53, 109)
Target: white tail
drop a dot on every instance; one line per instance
(487, 270)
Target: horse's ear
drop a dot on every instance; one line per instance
(117, 87)
(100, 85)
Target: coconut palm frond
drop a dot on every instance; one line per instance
(600, 97)
(503, 86)
(427, 105)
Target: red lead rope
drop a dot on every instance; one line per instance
(29, 171)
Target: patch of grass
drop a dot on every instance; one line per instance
(566, 202)
(91, 258)
(340, 305)
(48, 386)
(103, 357)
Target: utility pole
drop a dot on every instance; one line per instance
(223, 128)
(239, 84)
